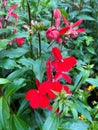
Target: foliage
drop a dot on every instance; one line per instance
(40, 42)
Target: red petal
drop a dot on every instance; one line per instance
(80, 30)
(35, 103)
(77, 23)
(49, 70)
(66, 65)
(44, 102)
(13, 7)
(44, 87)
(37, 83)
(31, 93)
(65, 20)
(56, 53)
(67, 78)
(14, 15)
(55, 86)
(66, 88)
(63, 30)
(58, 76)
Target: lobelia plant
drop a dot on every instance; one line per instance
(50, 78)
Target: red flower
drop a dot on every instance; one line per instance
(72, 32)
(11, 13)
(36, 99)
(19, 41)
(47, 88)
(62, 65)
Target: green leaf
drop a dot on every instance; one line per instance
(38, 119)
(15, 86)
(75, 125)
(64, 13)
(27, 62)
(85, 17)
(20, 124)
(91, 50)
(14, 53)
(39, 68)
(4, 81)
(75, 113)
(51, 122)
(18, 35)
(93, 81)
(7, 63)
(81, 108)
(4, 114)
(3, 44)
(17, 74)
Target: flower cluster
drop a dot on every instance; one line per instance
(69, 31)
(56, 68)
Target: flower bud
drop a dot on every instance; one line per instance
(52, 33)
(56, 13)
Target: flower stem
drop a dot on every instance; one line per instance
(29, 21)
(39, 38)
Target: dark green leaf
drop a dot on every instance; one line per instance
(4, 114)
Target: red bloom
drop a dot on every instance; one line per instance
(48, 88)
(62, 65)
(36, 99)
(53, 34)
(71, 31)
(19, 41)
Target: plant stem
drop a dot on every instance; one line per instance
(29, 21)
(39, 38)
